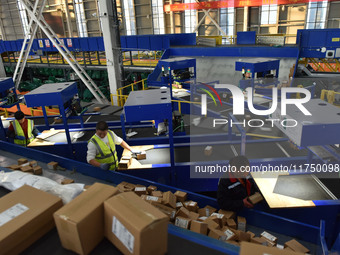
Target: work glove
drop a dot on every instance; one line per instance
(136, 152)
(104, 166)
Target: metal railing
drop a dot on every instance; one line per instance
(329, 95)
(121, 98)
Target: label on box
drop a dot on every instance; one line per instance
(229, 234)
(179, 204)
(123, 234)
(192, 204)
(219, 215)
(203, 218)
(151, 198)
(268, 236)
(207, 212)
(173, 214)
(279, 246)
(181, 223)
(140, 189)
(12, 213)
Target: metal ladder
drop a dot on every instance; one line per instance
(27, 45)
(79, 70)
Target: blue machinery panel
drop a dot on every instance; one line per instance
(248, 37)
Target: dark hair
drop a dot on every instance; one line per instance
(239, 161)
(19, 115)
(102, 126)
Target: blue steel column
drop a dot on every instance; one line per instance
(45, 117)
(171, 142)
(122, 120)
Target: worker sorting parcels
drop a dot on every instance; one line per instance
(236, 186)
(22, 130)
(101, 148)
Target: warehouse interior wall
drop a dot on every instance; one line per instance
(77, 18)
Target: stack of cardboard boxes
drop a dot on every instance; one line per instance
(27, 167)
(218, 224)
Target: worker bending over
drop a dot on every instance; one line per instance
(236, 186)
(22, 130)
(101, 148)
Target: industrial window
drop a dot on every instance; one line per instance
(80, 16)
(158, 17)
(269, 14)
(227, 20)
(23, 17)
(129, 14)
(316, 16)
(190, 18)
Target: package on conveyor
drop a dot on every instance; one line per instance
(256, 198)
(37, 170)
(181, 196)
(170, 212)
(22, 161)
(231, 223)
(52, 165)
(141, 155)
(212, 224)
(296, 246)
(157, 193)
(191, 206)
(135, 226)
(140, 190)
(33, 163)
(26, 215)
(67, 181)
(182, 222)
(169, 199)
(14, 167)
(80, 223)
(269, 237)
(241, 223)
(256, 249)
(124, 162)
(126, 187)
(199, 227)
(151, 188)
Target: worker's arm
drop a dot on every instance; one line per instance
(35, 131)
(10, 131)
(126, 146)
(94, 163)
(226, 199)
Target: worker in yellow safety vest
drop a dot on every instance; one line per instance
(22, 130)
(101, 148)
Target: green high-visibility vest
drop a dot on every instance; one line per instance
(20, 138)
(106, 154)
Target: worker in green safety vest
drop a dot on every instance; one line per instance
(101, 148)
(22, 130)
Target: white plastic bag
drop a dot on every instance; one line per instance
(16, 179)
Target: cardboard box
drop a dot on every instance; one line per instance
(242, 236)
(256, 249)
(192, 206)
(157, 193)
(169, 199)
(67, 181)
(256, 198)
(124, 187)
(170, 212)
(296, 246)
(14, 167)
(151, 188)
(208, 151)
(217, 234)
(182, 222)
(203, 212)
(141, 156)
(227, 214)
(33, 163)
(80, 223)
(179, 205)
(212, 224)
(52, 165)
(231, 223)
(219, 218)
(183, 212)
(27, 169)
(209, 209)
(269, 237)
(151, 199)
(230, 235)
(203, 218)
(181, 196)
(241, 223)
(135, 226)
(22, 161)
(252, 235)
(140, 191)
(37, 170)
(193, 215)
(199, 227)
(26, 214)
(124, 164)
